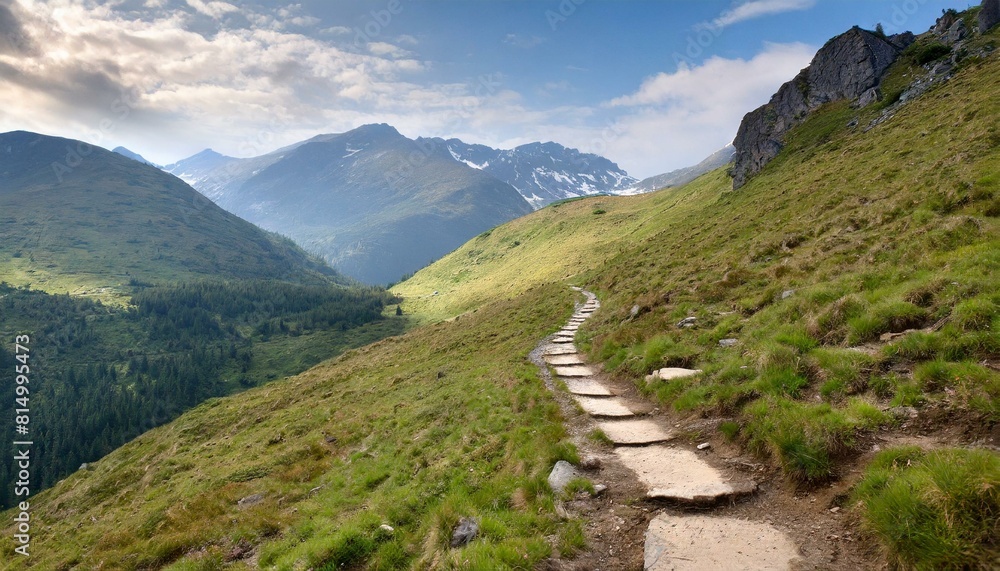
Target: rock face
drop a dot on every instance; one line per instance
(989, 15)
(847, 67)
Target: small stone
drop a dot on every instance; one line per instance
(466, 530)
(704, 446)
(687, 322)
(84, 466)
(787, 293)
(590, 462)
(561, 475)
(250, 500)
(635, 311)
(599, 489)
(728, 342)
(386, 528)
(834, 509)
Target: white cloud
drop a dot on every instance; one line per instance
(194, 90)
(523, 42)
(384, 49)
(212, 9)
(676, 119)
(756, 9)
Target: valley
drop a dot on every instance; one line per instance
(786, 356)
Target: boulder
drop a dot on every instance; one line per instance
(869, 97)
(957, 32)
(466, 530)
(561, 475)
(250, 500)
(847, 67)
(989, 15)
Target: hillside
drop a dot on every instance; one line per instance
(854, 281)
(371, 202)
(198, 303)
(83, 220)
(848, 235)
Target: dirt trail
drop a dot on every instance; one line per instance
(671, 504)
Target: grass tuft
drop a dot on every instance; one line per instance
(933, 510)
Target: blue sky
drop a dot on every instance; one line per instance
(652, 85)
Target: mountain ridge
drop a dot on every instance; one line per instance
(370, 201)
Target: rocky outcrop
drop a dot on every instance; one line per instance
(989, 15)
(847, 67)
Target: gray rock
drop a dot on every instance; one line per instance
(989, 15)
(787, 293)
(561, 475)
(635, 311)
(599, 489)
(957, 32)
(250, 500)
(728, 342)
(687, 322)
(847, 67)
(903, 40)
(466, 530)
(867, 98)
(944, 23)
(704, 446)
(386, 528)
(84, 466)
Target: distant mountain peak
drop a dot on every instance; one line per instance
(543, 172)
(134, 156)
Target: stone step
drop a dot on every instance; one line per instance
(574, 371)
(604, 407)
(698, 542)
(587, 388)
(560, 350)
(634, 432)
(680, 475)
(571, 359)
(562, 339)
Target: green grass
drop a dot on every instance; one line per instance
(933, 510)
(414, 432)
(833, 198)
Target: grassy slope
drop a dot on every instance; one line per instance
(406, 436)
(870, 233)
(413, 432)
(112, 219)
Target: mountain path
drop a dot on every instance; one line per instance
(669, 504)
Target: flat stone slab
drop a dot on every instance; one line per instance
(679, 475)
(626, 432)
(574, 371)
(587, 388)
(562, 360)
(604, 407)
(670, 373)
(560, 350)
(563, 339)
(697, 542)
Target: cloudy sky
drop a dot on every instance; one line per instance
(652, 85)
